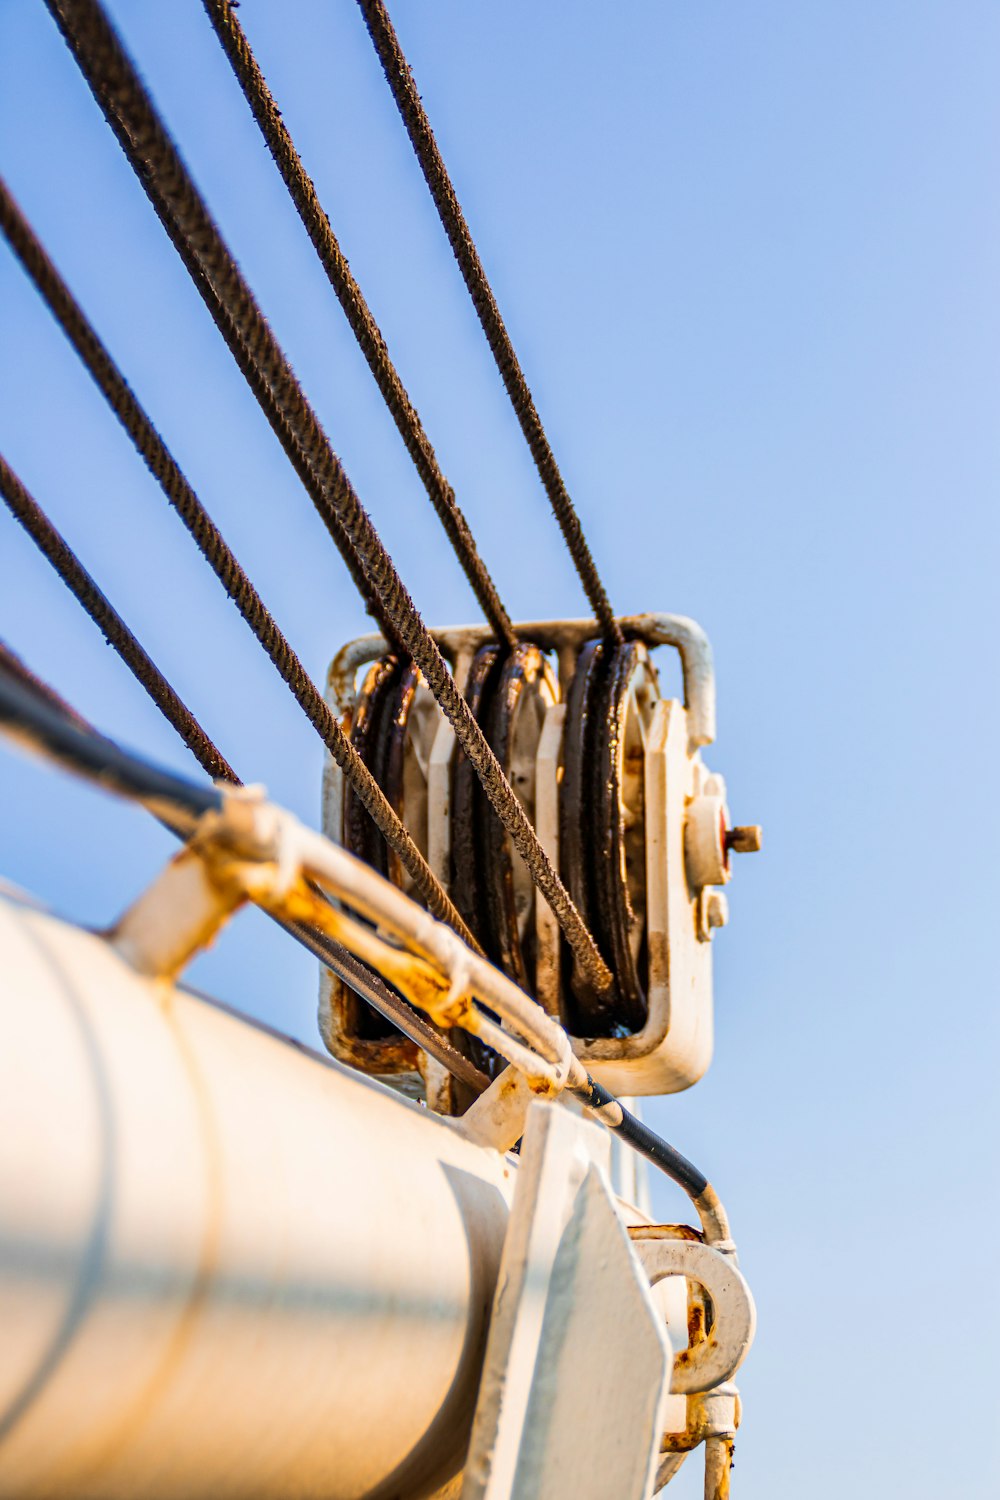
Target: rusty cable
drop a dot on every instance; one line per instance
(399, 76)
(54, 547)
(316, 223)
(118, 90)
(352, 970)
(215, 550)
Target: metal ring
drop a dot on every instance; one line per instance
(467, 869)
(466, 794)
(626, 697)
(512, 722)
(360, 837)
(588, 1013)
(718, 1356)
(393, 767)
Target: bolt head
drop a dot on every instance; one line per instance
(745, 840)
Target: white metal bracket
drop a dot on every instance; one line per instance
(703, 1406)
(571, 1401)
(687, 847)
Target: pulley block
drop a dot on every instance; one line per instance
(610, 774)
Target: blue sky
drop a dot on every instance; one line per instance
(747, 254)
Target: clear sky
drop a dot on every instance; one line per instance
(748, 255)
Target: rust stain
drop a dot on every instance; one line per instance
(679, 1442)
(722, 1483)
(665, 1232)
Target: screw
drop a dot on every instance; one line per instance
(745, 840)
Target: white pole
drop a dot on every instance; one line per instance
(226, 1268)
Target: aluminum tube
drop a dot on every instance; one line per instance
(226, 1268)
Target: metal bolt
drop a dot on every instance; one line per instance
(745, 840)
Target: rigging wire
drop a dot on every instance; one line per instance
(15, 667)
(74, 575)
(399, 76)
(302, 191)
(363, 980)
(42, 728)
(215, 550)
(54, 547)
(118, 90)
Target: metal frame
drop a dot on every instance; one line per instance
(686, 820)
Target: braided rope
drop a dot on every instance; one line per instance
(216, 552)
(53, 546)
(400, 78)
(302, 191)
(118, 90)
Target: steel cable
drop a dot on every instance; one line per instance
(215, 550)
(149, 149)
(401, 82)
(364, 981)
(54, 547)
(317, 225)
(122, 97)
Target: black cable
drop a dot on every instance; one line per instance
(645, 1141)
(44, 728)
(12, 664)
